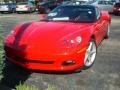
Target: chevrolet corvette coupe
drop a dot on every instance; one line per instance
(65, 40)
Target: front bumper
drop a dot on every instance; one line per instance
(51, 62)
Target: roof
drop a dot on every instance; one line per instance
(84, 6)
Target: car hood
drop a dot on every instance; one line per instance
(46, 34)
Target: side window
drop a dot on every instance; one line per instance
(98, 13)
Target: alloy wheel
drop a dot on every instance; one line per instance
(90, 54)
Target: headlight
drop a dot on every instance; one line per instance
(78, 40)
(73, 42)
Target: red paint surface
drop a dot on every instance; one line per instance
(42, 45)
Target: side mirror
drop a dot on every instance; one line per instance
(104, 14)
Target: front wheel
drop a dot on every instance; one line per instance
(17, 12)
(30, 11)
(90, 54)
(2, 12)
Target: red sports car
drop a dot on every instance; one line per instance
(66, 39)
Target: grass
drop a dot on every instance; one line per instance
(52, 88)
(26, 87)
(1, 31)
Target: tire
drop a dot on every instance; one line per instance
(13, 10)
(107, 32)
(18, 12)
(90, 54)
(30, 10)
(2, 12)
(116, 14)
(10, 12)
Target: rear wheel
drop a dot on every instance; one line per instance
(107, 32)
(90, 54)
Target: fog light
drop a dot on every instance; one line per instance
(68, 62)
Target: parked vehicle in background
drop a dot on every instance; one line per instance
(46, 7)
(103, 5)
(7, 7)
(73, 2)
(116, 9)
(65, 2)
(25, 7)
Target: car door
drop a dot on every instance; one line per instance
(99, 27)
(31, 6)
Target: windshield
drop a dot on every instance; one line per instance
(72, 13)
(117, 5)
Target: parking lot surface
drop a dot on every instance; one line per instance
(103, 75)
